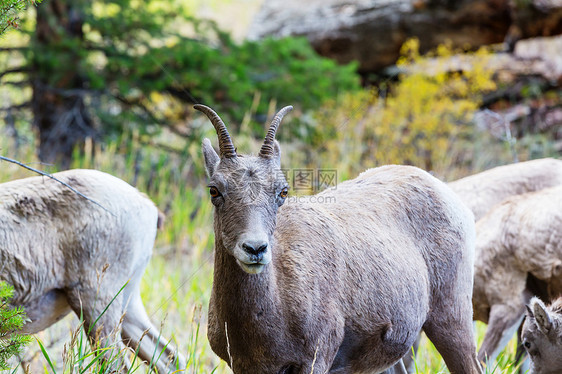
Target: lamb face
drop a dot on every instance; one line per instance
(542, 336)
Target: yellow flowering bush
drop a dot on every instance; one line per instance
(419, 120)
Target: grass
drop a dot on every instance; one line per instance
(177, 283)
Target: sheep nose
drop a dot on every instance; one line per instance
(255, 247)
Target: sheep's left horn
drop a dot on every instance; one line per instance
(226, 147)
(266, 150)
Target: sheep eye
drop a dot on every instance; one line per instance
(284, 192)
(214, 192)
(527, 345)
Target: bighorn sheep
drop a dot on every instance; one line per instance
(339, 282)
(518, 254)
(61, 252)
(480, 192)
(542, 336)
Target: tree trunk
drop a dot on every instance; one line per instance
(60, 115)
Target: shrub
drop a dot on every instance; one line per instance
(421, 120)
(11, 320)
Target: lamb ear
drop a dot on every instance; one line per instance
(529, 312)
(211, 157)
(544, 322)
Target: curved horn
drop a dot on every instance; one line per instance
(226, 147)
(266, 150)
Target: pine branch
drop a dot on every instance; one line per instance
(27, 104)
(11, 320)
(16, 84)
(20, 69)
(13, 49)
(150, 114)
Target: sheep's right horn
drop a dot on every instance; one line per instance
(266, 150)
(226, 147)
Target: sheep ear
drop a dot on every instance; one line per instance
(276, 153)
(544, 322)
(211, 157)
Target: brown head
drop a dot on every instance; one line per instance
(246, 191)
(542, 336)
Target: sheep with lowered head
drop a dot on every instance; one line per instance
(63, 253)
(339, 282)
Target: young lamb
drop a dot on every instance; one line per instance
(480, 192)
(61, 252)
(542, 336)
(518, 254)
(339, 282)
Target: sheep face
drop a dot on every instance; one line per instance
(542, 336)
(246, 193)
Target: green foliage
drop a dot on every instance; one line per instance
(11, 320)
(9, 12)
(143, 61)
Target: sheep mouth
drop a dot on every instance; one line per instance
(251, 268)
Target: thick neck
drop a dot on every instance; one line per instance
(243, 301)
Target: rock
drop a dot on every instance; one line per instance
(547, 54)
(372, 31)
(537, 57)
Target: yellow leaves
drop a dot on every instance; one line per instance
(417, 122)
(409, 52)
(105, 9)
(156, 97)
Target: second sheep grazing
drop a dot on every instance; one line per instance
(482, 191)
(63, 253)
(340, 282)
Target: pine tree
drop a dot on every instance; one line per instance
(9, 11)
(11, 320)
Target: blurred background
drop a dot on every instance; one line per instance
(453, 87)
